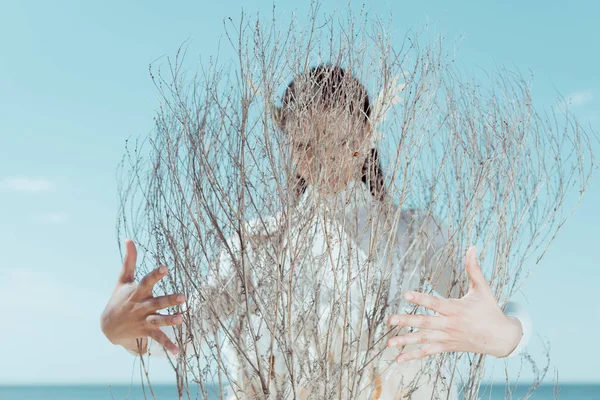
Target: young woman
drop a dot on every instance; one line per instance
(357, 260)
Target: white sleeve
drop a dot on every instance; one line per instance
(513, 309)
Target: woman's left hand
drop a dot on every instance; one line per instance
(474, 323)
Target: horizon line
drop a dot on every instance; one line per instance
(42, 384)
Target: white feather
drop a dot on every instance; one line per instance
(388, 97)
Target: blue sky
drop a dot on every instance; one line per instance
(74, 85)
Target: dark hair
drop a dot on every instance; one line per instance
(329, 86)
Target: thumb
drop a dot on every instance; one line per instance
(476, 277)
(128, 270)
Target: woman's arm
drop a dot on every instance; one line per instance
(444, 283)
(132, 311)
(131, 317)
(218, 298)
(473, 323)
(219, 303)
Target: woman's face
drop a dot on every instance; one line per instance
(329, 148)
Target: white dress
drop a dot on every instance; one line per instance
(348, 240)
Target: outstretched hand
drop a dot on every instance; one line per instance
(474, 323)
(132, 310)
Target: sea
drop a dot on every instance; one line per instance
(137, 392)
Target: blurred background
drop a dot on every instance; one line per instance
(74, 85)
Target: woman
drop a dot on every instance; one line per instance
(359, 260)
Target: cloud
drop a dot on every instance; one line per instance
(50, 218)
(27, 291)
(30, 185)
(577, 99)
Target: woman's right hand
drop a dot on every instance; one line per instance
(132, 311)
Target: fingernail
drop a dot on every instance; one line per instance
(162, 269)
(408, 296)
(394, 320)
(180, 298)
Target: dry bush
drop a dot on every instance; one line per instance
(215, 181)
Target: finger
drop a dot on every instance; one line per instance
(434, 303)
(148, 282)
(164, 340)
(476, 278)
(422, 352)
(162, 302)
(419, 321)
(164, 320)
(128, 270)
(421, 337)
